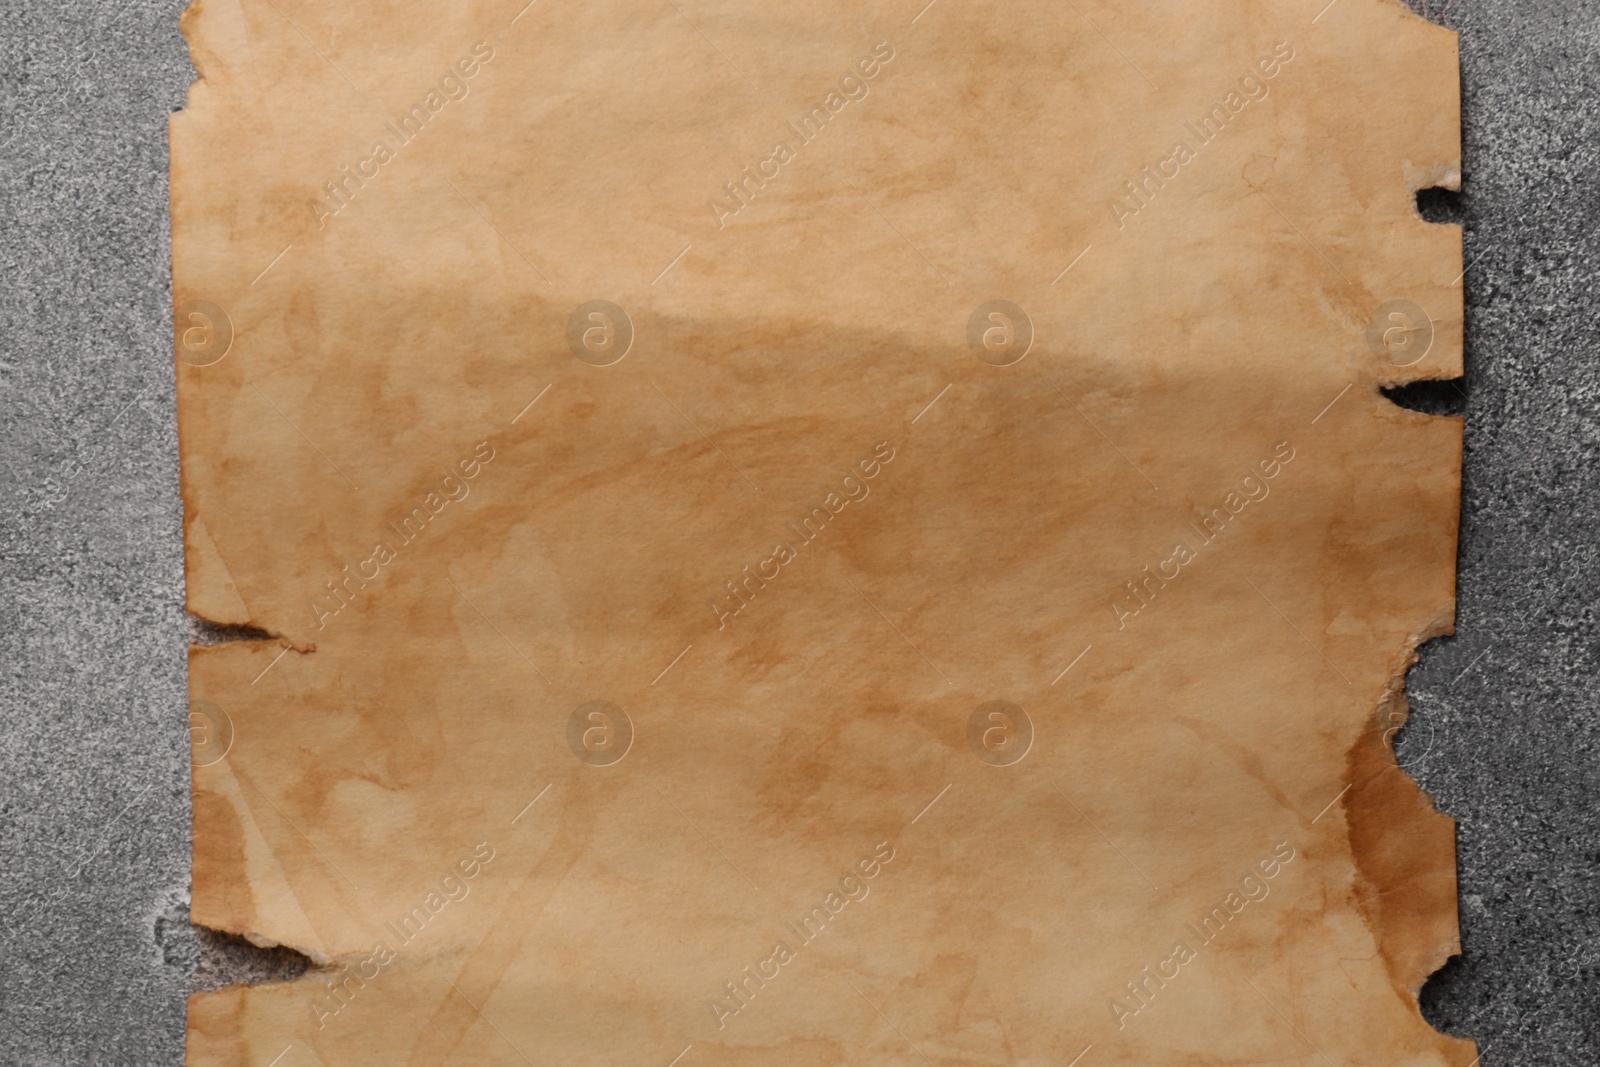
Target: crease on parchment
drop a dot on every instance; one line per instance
(227, 807)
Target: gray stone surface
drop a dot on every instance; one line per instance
(94, 807)
(1506, 715)
(96, 952)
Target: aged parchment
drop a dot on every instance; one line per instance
(805, 533)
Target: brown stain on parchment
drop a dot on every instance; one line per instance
(1405, 851)
(227, 902)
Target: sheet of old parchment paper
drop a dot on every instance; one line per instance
(811, 533)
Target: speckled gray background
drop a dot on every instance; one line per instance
(96, 952)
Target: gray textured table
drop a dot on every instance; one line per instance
(96, 952)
